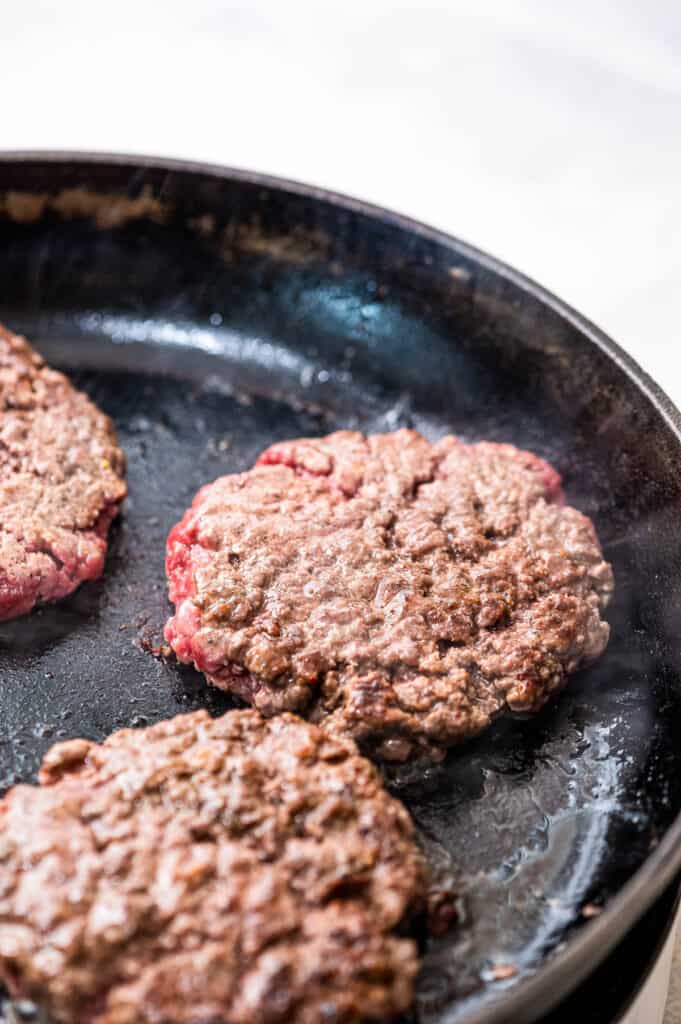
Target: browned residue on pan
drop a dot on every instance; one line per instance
(299, 245)
(108, 210)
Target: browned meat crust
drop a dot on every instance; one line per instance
(228, 871)
(393, 590)
(61, 481)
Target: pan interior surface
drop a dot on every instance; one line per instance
(210, 317)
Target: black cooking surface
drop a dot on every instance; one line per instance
(205, 344)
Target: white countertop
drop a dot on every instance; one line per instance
(548, 134)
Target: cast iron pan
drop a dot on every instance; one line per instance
(211, 312)
(610, 991)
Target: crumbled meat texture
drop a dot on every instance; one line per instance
(61, 481)
(209, 871)
(393, 590)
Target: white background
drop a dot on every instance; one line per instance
(547, 132)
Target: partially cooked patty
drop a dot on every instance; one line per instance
(61, 481)
(394, 590)
(208, 871)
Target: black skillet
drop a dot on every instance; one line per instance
(211, 312)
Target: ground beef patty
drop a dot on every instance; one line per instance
(394, 590)
(206, 871)
(61, 481)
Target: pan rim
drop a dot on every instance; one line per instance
(566, 966)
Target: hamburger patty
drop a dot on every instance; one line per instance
(393, 590)
(202, 871)
(61, 481)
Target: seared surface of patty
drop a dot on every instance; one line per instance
(205, 871)
(394, 590)
(61, 481)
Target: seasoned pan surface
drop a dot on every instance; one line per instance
(211, 313)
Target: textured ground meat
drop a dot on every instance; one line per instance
(61, 481)
(206, 871)
(393, 590)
